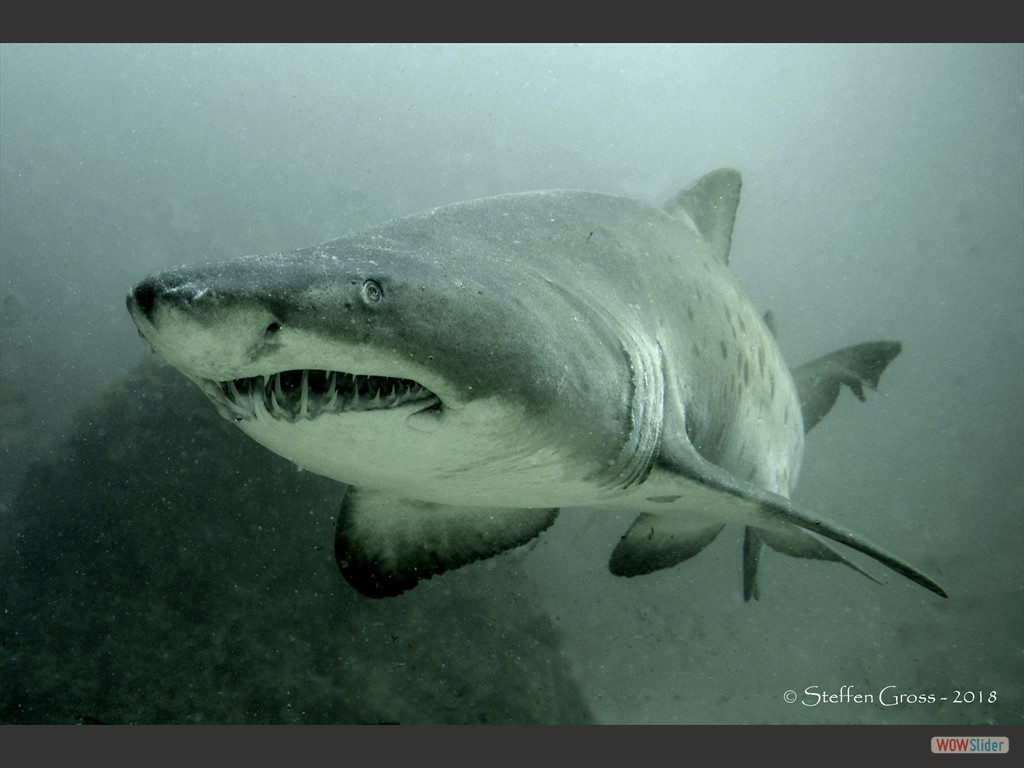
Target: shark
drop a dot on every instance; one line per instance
(471, 370)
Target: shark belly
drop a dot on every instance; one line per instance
(405, 454)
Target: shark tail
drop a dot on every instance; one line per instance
(782, 510)
(683, 526)
(794, 543)
(818, 384)
(662, 540)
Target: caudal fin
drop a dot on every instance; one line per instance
(783, 510)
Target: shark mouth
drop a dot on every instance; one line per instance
(305, 394)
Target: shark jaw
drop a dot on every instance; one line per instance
(395, 434)
(298, 395)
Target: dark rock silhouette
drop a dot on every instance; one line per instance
(163, 568)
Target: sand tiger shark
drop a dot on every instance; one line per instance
(470, 370)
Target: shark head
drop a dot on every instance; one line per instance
(384, 359)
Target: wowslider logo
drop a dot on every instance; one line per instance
(977, 745)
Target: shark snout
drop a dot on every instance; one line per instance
(168, 291)
(142, 299)
(204, 330)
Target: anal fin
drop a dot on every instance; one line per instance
(385, 546)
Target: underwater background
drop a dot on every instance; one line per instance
(159, 566)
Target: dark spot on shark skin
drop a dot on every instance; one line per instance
(743, 326)
(689, 313)
(731, 320)
(663, 499)
(725, 350)
(746, 372)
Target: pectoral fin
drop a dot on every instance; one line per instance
(384, 545)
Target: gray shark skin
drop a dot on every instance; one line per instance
(470, 370)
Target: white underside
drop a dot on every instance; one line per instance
(476, 455)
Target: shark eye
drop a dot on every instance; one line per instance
(372, 292)
(272, 329)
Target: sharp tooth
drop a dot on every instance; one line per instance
(272, 396)
(264, 394)
(331, 391)
(234, 402)
(259, 408)
(304, 397)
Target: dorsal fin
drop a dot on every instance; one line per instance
(710, 204)
(819, 381)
